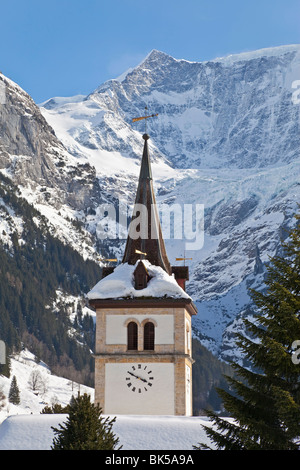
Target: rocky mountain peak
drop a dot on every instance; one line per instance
(226, 137)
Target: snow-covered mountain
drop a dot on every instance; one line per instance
(209, 112)
(226, 137)
(57, 183)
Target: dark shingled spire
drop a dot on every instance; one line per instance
(145, 232)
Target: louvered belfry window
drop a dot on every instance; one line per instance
(149, 336)
(132, 336)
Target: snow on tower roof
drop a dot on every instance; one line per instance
(120, 284)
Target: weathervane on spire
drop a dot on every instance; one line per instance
(144, 117)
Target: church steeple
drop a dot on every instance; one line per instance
(145, 233)
(143, 350)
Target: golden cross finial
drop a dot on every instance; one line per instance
(144, 117)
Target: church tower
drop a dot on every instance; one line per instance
(143, 352)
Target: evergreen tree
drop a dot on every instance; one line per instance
(208, 374)
(14, 392)
(85, 428)
(30, 275)
(56, 408)
(265, 401)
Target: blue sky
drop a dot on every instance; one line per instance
(68, 47)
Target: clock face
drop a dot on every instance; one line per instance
(139, 378)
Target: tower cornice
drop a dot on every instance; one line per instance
(150, 302)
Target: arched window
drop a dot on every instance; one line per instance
(132, 336)
(149, 336)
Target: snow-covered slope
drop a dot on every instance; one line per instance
(227, 136)
(52, 389)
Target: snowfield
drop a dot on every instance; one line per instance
(24, 428)
(33, 432)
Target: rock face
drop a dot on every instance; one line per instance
(227, 136)
(25, 136)
(47, 175)
(33, 155)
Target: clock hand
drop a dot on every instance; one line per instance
(143, 380)
(136, 376)
(128, 372)
(131, 373)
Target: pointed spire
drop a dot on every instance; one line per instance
(145, 234)
(145, 171)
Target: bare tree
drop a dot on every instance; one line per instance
(37, 383)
